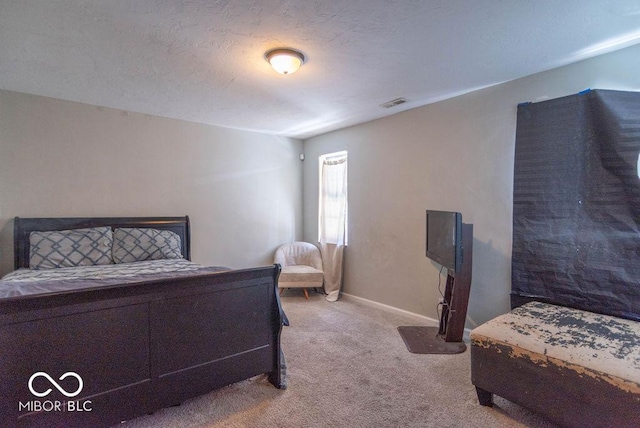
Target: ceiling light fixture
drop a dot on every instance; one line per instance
(284, 60)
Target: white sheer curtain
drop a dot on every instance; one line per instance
(333, 220)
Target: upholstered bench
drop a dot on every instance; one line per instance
(575, 367)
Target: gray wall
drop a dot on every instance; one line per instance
(454, 155)
(242, 190)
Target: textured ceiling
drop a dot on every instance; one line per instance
(202, 60)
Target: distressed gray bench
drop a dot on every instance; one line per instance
(577, 368)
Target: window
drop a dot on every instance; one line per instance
(332, 204)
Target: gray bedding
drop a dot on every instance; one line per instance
(26, 281)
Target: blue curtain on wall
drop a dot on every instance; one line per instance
(576, 212)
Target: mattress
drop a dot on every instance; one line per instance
(27, 281)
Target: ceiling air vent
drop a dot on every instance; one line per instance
(393, 103)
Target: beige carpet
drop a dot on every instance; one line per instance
(348, 367)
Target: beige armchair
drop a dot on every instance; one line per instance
(301, 266)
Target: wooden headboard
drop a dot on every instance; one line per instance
(22, 227)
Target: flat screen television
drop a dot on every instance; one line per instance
(444, 238)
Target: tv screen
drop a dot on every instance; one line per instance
(444, 238)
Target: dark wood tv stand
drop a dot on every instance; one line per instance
(447, 337)
(456, 293)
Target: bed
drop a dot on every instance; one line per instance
(100, 351)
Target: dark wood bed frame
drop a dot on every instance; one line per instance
(137, 347)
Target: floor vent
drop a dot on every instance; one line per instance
(393, 103)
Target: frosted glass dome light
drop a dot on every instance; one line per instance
(285, 61)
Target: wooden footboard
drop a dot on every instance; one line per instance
(96, 357)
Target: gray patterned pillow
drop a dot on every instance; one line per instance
(137, 244)
(69, 248)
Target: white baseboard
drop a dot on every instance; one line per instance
(422, 318)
